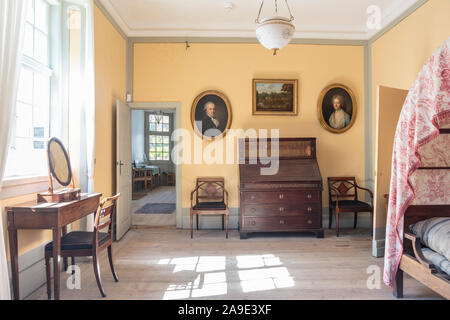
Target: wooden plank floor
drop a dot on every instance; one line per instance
(164, 263)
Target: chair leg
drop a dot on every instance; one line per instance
(73, 265)
(330, 217)
(97, 275)
(227, 223)
(355, 220)
(47, 272)
(223, 222)
(371, 224)
(337, 223)
(197, 223)
(192, 226)
(111, 264)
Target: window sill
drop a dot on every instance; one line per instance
(19, 186)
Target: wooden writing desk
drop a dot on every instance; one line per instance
(55, 216)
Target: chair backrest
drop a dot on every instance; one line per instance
(344, 187)
(105, 214)
(210, 189)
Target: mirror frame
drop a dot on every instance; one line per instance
(50, 166)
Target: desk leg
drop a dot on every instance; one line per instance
(14, 261)
(56, 264)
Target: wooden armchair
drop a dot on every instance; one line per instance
(211, 199)
(88, 244)
(343, 197)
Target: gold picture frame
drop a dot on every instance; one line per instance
(275, 97)
(333, 118)
(210, 126)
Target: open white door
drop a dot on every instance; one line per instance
(123, 168)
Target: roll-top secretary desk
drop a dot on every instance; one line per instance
(289, 199)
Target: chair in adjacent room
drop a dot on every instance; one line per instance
(211, 198)
(88, 244)
(343, 197)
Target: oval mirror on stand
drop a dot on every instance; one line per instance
(59, 169)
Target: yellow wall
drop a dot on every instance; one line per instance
(110, 85)
(399, 55)
(169, 72)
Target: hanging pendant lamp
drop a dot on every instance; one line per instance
(275, 32)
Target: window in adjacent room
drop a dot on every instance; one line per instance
(158, 133)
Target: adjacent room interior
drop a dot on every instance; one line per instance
(213, 162)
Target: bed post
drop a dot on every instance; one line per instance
(398, 284)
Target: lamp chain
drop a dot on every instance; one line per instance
(276, 10)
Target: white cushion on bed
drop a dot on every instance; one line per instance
(435, 234)
(439, 261)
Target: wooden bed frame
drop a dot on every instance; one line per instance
(413, 261)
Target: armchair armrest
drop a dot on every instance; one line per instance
(227, 196)
(192, 195)
(365, 189)
(336, 195)
(418, 251)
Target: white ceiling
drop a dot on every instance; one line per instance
(314, 19)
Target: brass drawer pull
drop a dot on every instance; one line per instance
(309, 209)
(281, 221)
(309, 222)
(281, 196)
(253, 222)
(281, 209)
(253, 197)
(253, 210)
(309, 196)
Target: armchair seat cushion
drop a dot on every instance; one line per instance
(210, 206)
(359, 205)
(78, 240)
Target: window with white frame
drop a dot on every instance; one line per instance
(158, 137)
(31, 127)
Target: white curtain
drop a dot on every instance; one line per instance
(87, 110)
(12, 25)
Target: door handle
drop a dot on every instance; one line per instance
(120, 164)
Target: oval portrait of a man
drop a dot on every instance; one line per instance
(211, 114)
(337, 108)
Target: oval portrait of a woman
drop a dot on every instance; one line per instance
(337, 108)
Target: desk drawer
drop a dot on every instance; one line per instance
(280, 197)
(267, 210)
(280, 223)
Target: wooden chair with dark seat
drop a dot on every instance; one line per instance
(343, 197)
(211, 199)
(88, 244)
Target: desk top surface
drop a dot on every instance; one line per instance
(34, 205)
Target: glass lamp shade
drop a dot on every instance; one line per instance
(274, 33)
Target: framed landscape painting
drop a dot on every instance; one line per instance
(275, 97)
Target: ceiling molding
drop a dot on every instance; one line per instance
(390, 15)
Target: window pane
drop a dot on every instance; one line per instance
(152, 139)
(159, 139)
(152, 147)
(24, 120)
(159, 127)
(28, 48)
(165, 127)
(152, 155)
(25, 93)
(166, 139)
(40, 48)
(41, 16)
(152, 127)
(166, 156)
(30, 11)
(166, 148)
(166, 119)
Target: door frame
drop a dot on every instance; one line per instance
(148, 106)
